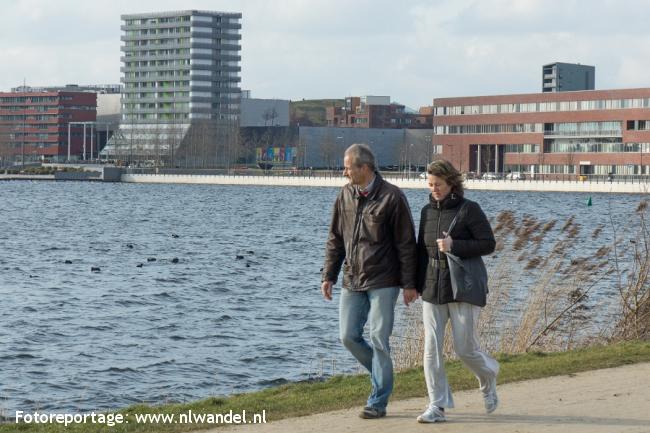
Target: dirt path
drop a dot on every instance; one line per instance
(603, 401)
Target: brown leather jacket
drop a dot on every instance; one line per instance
(373, 238)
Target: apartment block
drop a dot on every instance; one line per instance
(548, 135)
(375, 112)
(34, 126)
(180, 69)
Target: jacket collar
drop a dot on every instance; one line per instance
(451, 201)
(375, 187)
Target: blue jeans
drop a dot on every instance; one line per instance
(376, 306)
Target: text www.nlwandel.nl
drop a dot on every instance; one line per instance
(113, 419)
(190, 417)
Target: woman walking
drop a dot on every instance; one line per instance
(470, 236)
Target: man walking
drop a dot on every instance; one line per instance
(372, 237)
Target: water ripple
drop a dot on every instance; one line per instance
(211, 324)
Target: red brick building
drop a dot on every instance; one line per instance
(564, 134)
(375, 112)
(34, 125)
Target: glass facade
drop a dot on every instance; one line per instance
(543, 107)
(489, 129)
(522, 148)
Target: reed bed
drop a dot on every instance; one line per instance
(542, 281)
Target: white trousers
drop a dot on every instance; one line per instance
(464, 321)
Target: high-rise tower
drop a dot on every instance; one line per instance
(181, 72)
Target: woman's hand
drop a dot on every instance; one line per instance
(444, 244)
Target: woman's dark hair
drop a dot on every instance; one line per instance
(446, 171)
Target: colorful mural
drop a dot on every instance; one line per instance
(276, 154)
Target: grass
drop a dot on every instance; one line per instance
(342, 392)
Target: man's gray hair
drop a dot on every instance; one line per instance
(360, 154)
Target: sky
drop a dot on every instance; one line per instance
(411, 50)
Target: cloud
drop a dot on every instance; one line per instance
(413, 51)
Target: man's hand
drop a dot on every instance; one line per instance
(410, 295)
(326, 289)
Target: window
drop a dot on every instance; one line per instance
(206, 51)
(204, 62)
(522, 148)
(201, 19)
(200, 105)
(201, 41)
(547, 106)
(194, 83)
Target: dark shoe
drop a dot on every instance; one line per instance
(372, 413)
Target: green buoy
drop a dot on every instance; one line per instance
(589, 201)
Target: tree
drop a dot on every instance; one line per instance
(328, 150)
(490, 158)
(420, 154)
(540, 163)
(7, 142)
(570, 160)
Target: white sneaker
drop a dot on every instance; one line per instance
(432, 414)
(490, 397)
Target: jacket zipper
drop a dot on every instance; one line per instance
(438, 251)
(355, 243)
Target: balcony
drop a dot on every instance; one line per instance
(171, 46)
(139, 56)
(154, 68)
(186, 34)
(583, 134)
(171, 25)
(152, 99)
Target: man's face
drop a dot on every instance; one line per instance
(357, 175)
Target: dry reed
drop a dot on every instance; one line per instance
(557, 312)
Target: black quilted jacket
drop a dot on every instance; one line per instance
(472, 236)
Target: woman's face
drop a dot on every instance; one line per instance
(438, 186)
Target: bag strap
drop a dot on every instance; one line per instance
(453, 222)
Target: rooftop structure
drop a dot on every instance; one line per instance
(565, 77)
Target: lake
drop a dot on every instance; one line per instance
(200, 289)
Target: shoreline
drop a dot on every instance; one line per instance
(339, 181)
(479, 185)
(339, 398)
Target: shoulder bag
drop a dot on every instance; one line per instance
(469, 278)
